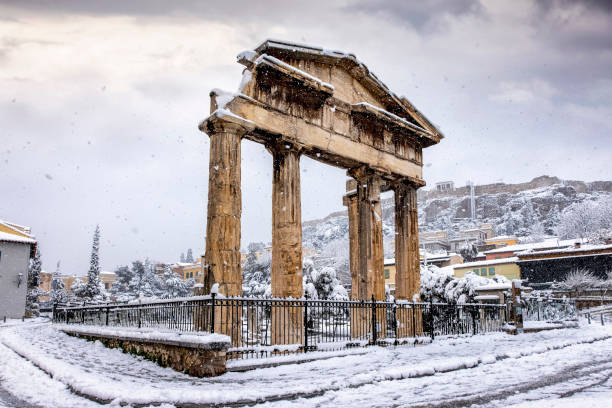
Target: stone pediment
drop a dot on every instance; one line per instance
(329, 106)
(338, 73)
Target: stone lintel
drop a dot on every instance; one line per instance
(320, 142)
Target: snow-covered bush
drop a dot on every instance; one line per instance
(439, 286)
(58, 292)
(78, 288)
(256, 272)
(322, 284)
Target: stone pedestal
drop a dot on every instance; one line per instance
(409, 322)
(287, 324)
(361, 321)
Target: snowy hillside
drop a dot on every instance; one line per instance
(527, 209)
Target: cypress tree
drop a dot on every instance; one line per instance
(93, 275)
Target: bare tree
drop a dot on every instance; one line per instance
(579, 280)
(587, 219)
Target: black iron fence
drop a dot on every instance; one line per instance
(259, 327)
(548, 308)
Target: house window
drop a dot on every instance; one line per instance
(491, 271)
(483, 271)
(387, 274)
(476, 271)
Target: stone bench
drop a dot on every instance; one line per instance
(198, 355)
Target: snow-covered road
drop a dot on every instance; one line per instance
(484, 370)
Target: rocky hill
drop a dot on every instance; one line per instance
(525, 209)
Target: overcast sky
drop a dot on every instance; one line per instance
(100, 102)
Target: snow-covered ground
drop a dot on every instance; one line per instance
(492, 370)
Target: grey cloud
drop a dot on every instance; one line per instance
(418, 14)
(600, 5)
(246, 10)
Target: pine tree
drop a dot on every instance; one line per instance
(58, 293)
(174, 286)
(33, 283)
(92, 289)
(182, 258)
(552, 220)
(144, 282)
(78, 288)
(189, 257)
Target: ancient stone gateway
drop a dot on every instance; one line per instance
(301, 100)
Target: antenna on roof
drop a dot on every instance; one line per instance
(470, 184)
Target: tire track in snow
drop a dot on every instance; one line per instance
(602, 368)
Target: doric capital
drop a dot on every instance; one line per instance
(401, 184)
(223, 120)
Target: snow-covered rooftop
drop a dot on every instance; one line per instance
(546, 244)
(566, 250)
(5, 236)
(501, 237)
(495, 286)
(513, 259)
(486, 297)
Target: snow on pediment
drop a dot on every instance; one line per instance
(350, 79)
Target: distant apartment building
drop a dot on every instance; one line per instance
(17, 247)
(186, 270)
(507, 267)
(545, 266)
(501, 241)
(440, 259)
(434, 241)
(107, 278)
(445, 186)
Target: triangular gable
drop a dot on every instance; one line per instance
(399, 106)
(13, 229)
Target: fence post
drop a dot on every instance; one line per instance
(306, 323)
(431, 319)
(374, 336)
(107, 315)
(414, 329)
(139, 317)
(602, 319)
(395, 321)
(212, 313)
(53, 313)
(473, 313)
(589, 317)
